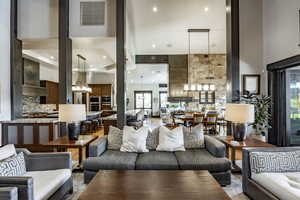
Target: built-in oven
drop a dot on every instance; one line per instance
(95, 103)
(95, 107)
(95, 99)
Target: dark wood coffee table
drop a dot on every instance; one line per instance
(153, 185)
(232, 150)
(63, 143)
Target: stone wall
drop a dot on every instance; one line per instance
(32, 104)
(200, 69)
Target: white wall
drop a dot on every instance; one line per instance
(280, 30)
(100, 78)
(37, 19)
(48, 73)
(4, 61)
(251, 38)
(76, 30)
(131, 87)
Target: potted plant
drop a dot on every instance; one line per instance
(262, 106)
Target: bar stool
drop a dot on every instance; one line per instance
(95, 125)
(86, 127)
(100, 123)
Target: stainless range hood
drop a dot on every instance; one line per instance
(31, 79)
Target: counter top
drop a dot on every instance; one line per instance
(32, 121)
(129, 112)
(52, 119)
(111, 117)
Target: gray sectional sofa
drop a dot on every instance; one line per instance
(211, 158)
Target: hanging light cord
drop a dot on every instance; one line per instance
(189, 41)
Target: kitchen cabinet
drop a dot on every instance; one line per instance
(100, 89)
(53, 93)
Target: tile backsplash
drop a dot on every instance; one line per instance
(32, 104)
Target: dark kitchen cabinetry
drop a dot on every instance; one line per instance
(101, 89)
(53, 93)
(104, 91)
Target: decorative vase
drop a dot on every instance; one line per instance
(74, 131)
(239, 131)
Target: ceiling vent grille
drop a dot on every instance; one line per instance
(92, 13)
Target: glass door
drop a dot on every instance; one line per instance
(143, 100)
(293, 105)
(163, 99)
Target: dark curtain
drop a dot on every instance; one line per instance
(278, 135)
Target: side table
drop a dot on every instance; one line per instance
(63, 143)
(231, 150)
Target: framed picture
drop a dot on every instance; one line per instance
(251, 83)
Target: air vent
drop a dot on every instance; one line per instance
(92, 13)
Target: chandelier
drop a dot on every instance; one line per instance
(202, 86)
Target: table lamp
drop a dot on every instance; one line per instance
(240, 115)
(72, 114)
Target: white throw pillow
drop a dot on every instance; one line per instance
(7, 151)
(193, 137)
(134, 140)
(114, 138)
(170, 140)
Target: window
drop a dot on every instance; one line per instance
(163, 99)
(207, 97)
(143, 100)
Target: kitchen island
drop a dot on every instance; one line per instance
(132, 116)
(32, 133)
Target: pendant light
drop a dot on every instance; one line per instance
(202, 86)
(81, 84)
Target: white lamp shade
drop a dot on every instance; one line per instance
(240, 113)
(72, 112)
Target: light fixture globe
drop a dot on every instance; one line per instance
(199, 87)
(186, 87)
(212, 87)
(193, 87)
(206, 87)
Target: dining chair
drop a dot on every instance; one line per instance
(198, 118)
(211, 122)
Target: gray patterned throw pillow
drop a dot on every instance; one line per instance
(261, 162)
(114, 138)
(194, 137)
(13, 166)
(152, 139)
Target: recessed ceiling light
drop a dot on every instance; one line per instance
(206, 9)
(131, 81)
(154, 9)
(153, 46)
(153, 72)
(52, 57)
(104, 57)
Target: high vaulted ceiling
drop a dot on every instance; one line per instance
(99, 52)
(148, 74)
(160, 26)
